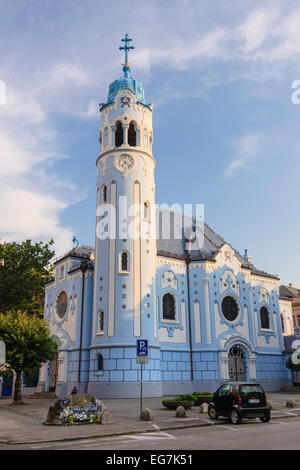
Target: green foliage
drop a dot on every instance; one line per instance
(27, 339)
(186, 397)
(201, 394)
(292, 366)
(6, 373)
(190, 397)
(23, 275)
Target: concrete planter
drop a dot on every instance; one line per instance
(201, 400)
(173, 405)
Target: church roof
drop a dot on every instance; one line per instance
(289, 291)
(83, 252)
(127, 81)
(174, 231)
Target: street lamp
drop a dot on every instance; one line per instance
(83, 267)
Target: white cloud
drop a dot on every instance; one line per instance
(258, 27)
(66, 74)
(32, 199)
(246, 150)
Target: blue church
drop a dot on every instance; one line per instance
(208, 313)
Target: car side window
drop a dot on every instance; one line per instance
(225, 390)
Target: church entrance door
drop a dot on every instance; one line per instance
(53, 375)
(237, 368)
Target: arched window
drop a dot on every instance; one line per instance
(105, 139)
(100, 322)
(104, 194)
(264, 318)
(132, 135)
(169, 307)
(100, 362)
(146, 210)
(124, 261)
(119, 134)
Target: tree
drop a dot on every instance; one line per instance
(28, 344)
(24, 270)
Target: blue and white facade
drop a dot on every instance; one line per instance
(208, 314)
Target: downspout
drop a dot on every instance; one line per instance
(83, 268)
(187, 261)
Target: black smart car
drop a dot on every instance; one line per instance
(239, 400)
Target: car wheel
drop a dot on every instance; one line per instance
(234, 417)
(212, 413)
(265, 419)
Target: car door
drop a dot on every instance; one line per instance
(224, 399)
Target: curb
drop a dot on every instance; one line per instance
(128, 433)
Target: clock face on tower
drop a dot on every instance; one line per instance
(124, 162)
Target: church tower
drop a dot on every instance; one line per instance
(125, 263)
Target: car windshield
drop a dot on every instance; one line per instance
(245, 389)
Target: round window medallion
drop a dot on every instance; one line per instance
(61, 305)
(230, 308)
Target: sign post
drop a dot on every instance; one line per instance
(141, 358)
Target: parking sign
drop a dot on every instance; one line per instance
(142, 351)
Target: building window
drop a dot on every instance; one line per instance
(100, 362)
(169, 307)
(119, 134)
(105, 139)
(124, 262)
(146, 210)
(282, 323)
(132, 135)
(230, 308)
(264, 318)
(100, 322)
(104, 194)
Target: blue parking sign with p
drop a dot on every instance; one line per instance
(142, 347)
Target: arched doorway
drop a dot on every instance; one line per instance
(237, 365)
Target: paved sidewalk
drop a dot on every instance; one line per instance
(24, 424)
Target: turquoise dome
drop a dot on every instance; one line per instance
(126, 82)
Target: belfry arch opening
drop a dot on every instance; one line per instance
(119, 134)
(132, 135)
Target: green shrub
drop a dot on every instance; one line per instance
(186, 397)
(201, 394)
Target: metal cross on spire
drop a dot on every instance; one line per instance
(126, 48)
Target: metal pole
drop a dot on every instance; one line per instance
(141, 402)
(83, 268)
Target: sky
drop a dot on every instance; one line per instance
(226, 126)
